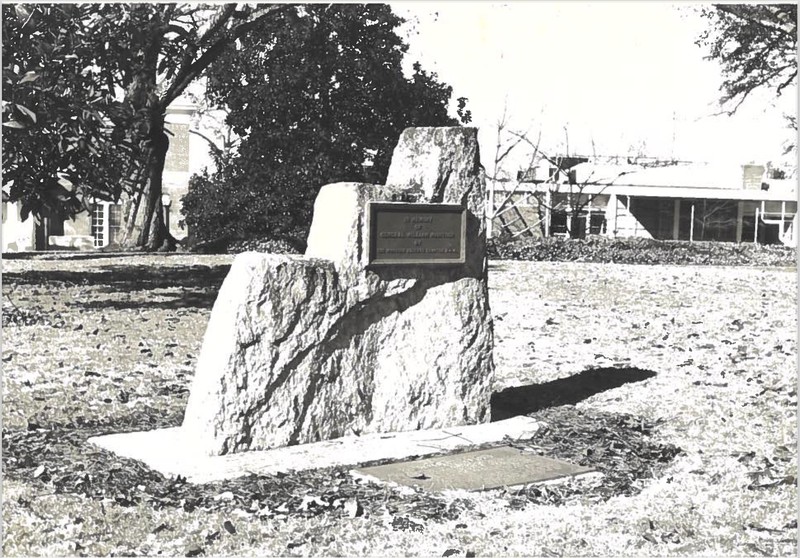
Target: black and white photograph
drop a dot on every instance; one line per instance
(427, 278)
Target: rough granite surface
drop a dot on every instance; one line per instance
(306, 348)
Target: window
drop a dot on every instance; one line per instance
(656, 216)
(558, 222)
(715, 220)
(106, 224)
(99, 225)
(597, 223)
(114, 224)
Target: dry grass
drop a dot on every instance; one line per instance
(721, 341)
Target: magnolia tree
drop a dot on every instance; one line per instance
(85, 92)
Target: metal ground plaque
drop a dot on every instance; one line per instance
(475, 470)
(416, 234)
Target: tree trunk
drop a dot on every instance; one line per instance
(574, 225)
(145, 227)
(154, 234)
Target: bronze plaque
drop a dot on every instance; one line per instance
(476, 470)
(416, 233)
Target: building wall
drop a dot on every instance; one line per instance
(622, 220)
(17, 235)
(662, 218)
(519, 217)
(177, 167)
(76, 234)
(80, 225)
(188, 154)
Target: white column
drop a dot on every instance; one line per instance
(614, 202)
(106, 219)
(548, 204)
(569, 213)
(589, 219)
(755, 231)
(490, 213)
(691, 226)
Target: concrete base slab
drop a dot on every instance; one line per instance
(170, 453)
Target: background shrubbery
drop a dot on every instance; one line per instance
(641, 251)
(261, 245)
(304, 122)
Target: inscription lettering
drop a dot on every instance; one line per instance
(416, 233)
(420, 234)
(417, 251)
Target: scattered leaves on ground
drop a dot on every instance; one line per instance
(684, 399)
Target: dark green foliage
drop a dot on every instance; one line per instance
(63, 136)
(88, 86)
(314, 94)
(641, 251)
(756, 44)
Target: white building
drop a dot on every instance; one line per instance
(187, 155)
(689, 201)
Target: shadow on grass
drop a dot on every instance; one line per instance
(127, 277)
(192, 286)
(204, 298)
(524, 400)
(68, 255)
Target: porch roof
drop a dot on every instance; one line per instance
(677, 181)
(674, 192)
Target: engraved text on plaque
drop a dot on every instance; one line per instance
(416, 233)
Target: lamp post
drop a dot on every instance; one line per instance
(165, 203)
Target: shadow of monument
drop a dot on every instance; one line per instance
(524, 400)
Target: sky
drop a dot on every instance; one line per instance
(603, 77)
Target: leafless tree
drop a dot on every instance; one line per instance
(569, 196)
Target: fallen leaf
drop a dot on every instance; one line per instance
(352, 508)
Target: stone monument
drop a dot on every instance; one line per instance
(382, 326)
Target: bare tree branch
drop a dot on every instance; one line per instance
(214, 147)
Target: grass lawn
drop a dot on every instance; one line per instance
(678, 383)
